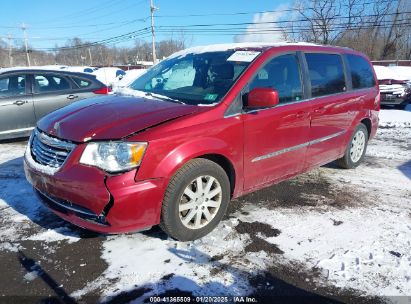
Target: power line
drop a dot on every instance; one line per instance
(82, 36)
(236, 31)
(87, 25)
(85, 12)
(110, 12)
(225, 29)
(50, 25)
(111, 3)
(143, 33)
(269, 22)
(262, 12)
(118, 38)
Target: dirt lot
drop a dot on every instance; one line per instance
(326, 236)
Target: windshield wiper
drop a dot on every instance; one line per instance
(163, 97)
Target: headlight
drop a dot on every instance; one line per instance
(113, 156)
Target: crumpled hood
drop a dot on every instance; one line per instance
(110, 117)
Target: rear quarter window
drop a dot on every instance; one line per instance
(82, 83)
(50, 83)
(326, 74)
(361, 72)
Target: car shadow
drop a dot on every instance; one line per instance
(332, 165)
(17, 193)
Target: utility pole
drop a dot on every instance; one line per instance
(10, 50)
(152, 9)
(91, 59)
(24, 28)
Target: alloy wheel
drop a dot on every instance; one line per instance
(357, 146)
(200, 202)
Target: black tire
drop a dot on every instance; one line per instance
(170, 221)
(346, 161)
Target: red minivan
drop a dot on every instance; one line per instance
(204, 126)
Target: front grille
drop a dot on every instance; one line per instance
(49, 151)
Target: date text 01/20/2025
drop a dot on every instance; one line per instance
(183, 299)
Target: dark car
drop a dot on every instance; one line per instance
(26, 95)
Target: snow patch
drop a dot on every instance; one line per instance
(395, 118)
(56, 235)
(232, 46)
(32, 275)
(384, 73)
(9, 247)
(144, 260)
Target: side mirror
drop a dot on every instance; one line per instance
(262, 98)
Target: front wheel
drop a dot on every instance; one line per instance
(195, 201)
(355, 151)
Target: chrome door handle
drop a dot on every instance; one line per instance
(20, 102)
(72, 96)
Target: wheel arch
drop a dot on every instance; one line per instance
(226, 164)
(368, 125)
(213, 149)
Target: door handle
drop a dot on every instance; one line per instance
(20, 102)
(71, 96)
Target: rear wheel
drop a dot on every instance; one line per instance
(355, 151)
(195, 201)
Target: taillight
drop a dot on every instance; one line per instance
(377, 101)
(103, 90)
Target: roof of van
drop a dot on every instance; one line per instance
(246, 45)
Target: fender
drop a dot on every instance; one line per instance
(189, 150)
(177, 157)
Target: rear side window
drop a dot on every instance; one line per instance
(82, 83)
(361, 72)
(50, 83)
(281, 73)
(326, 74)
(12, 86)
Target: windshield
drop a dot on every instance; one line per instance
(196, 79)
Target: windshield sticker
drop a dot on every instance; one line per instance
(211, 97)
(243, 56)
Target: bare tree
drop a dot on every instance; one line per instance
(380, 28)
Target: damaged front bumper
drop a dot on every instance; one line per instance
(91, 199)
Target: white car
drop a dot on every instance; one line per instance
(128, 79)
(395, 88)
(109, 75)
(83, 69)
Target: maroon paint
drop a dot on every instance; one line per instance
(185, 132)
